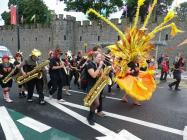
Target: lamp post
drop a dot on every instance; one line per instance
(156, 52)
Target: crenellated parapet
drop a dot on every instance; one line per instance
(69, 34)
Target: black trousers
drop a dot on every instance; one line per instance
(176, 83)
(100, 107)
(74, 73)
(177, 76)
(110, 86)
(38, 83)
(163, 75)
(57, 84)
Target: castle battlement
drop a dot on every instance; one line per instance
(69, 34)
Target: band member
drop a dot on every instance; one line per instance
(94, 71)
(5, 68)
(178, 69)
(74, 71)
(108, 62)
(27, 66)
(18, 60)
(83, 68)
(79, 56)
(56, 75)
(98, 50)
(50, 56)
(65, 72)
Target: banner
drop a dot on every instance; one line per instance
(13, 15)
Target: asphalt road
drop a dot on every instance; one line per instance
(161, 118)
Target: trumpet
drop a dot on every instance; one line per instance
(9, 76)
(64, 67)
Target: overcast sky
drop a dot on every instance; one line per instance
(59, 9)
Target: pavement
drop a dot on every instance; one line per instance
(161, 118)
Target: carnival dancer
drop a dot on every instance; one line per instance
(28, 65)
(94, 72)
(74, 71)
(18, 60)
(56, 75)
(139, 85)
(5, 68)
(137, 42)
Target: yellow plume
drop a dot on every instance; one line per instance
(140, 3)
(149, 15)
(174, 29)
(170, 15)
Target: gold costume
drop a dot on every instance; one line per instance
(137, 42)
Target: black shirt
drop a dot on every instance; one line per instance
(133, 67)
(107, 61)
(29, 64)
(73, 63)
(5, 69)
(91, 80)
(54, 62)
(15, 64)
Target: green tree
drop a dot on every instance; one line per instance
(104, 7)
(132, 5)
(160, 9)
(6, 17)
(31, 8)
(182, 10)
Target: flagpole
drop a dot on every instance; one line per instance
(18, 34)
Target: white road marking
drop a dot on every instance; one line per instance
(33, 124)
(10, 129)
(120, 136)
(83, 119)
(185, 133)
(132, 120)
(86, 93)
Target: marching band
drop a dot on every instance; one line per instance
(86, 69)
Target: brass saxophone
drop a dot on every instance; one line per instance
(35, 73)
(9, 76)
(98, 87)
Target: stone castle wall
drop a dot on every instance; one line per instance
(69, 34)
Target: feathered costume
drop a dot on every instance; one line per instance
(137, 42)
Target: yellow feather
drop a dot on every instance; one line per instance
(170, 15)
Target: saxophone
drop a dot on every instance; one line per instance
(98, 87)
(9, 76)
(35, 73)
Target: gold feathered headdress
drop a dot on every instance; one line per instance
(137, 41)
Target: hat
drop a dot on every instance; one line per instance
(36, 53)
(90, 53)
(5, 57)
(18, 54)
